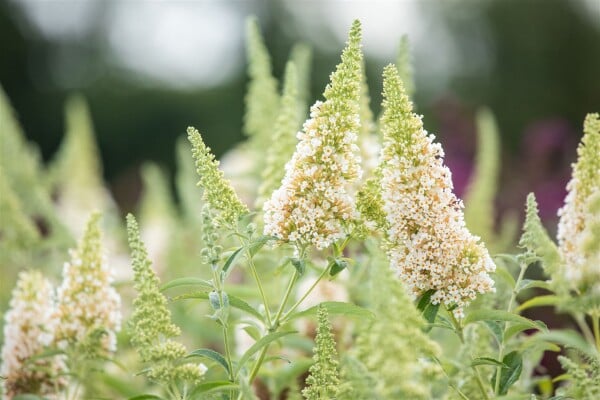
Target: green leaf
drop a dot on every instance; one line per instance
(299, 264)
(338, 266)
(213, 386)
(45, 354)
(488, 361)
(425, 299)
(28, 397)
(264, 341)
(233, 302)
(506, 276)
(507, 257)
(510, 374)
(211, 354)
(336, 308)
(252, 331)
(515, 329)
(143, 397)
(497, 330)
(505, 316)
(189, 281)
(430, 312)
(230, 260)
(539, 301)
(568, 338)
(255, 246)
(533, 283)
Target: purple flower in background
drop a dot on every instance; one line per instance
(547, 149)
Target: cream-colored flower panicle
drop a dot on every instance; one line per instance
(429, 244)
(28, 330)
(312, 205)
(89, 307)
(576, 216)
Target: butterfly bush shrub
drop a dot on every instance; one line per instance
(336, 263)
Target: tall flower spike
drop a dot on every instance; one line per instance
(157, 212)
(313, 205)
(185, 182)
(404, 64)
(301, 55)
(575, 214)
(429, 244)
(367, 125)
(17, 230)
(152, 328)
(76, 171)
(536, 241)
(217, 191)
(590, 245)
(368, 141)
(480, 194)
(389, 344)
(284, 136)
(28, 330)
(89, 307)
(21, 166)
(262, 99)
(323, 381)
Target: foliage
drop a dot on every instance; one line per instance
(360, 232)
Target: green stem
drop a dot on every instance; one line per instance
(274, 324)
(596, 326)
(259, 284)
(258, 364)
(585, 329)
(175, 392)
(286, 296)
(305, 295)
(513, 298)
(459, 332)
(228, 351)
(461, 394)
(218, 287)
(274, 327)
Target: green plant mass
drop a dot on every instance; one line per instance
(339, 264)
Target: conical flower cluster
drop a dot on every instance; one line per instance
(217, 191)
(323, 381)
(388, 344)
(151, 321)
(157, 214)
(429, 244)
(76, 172)
(536, 241)
(89, 307)
(262, 100)
(575, 215)
(284, 135)
(313, 205)
(29, 328)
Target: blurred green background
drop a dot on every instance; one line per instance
(151, 68)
